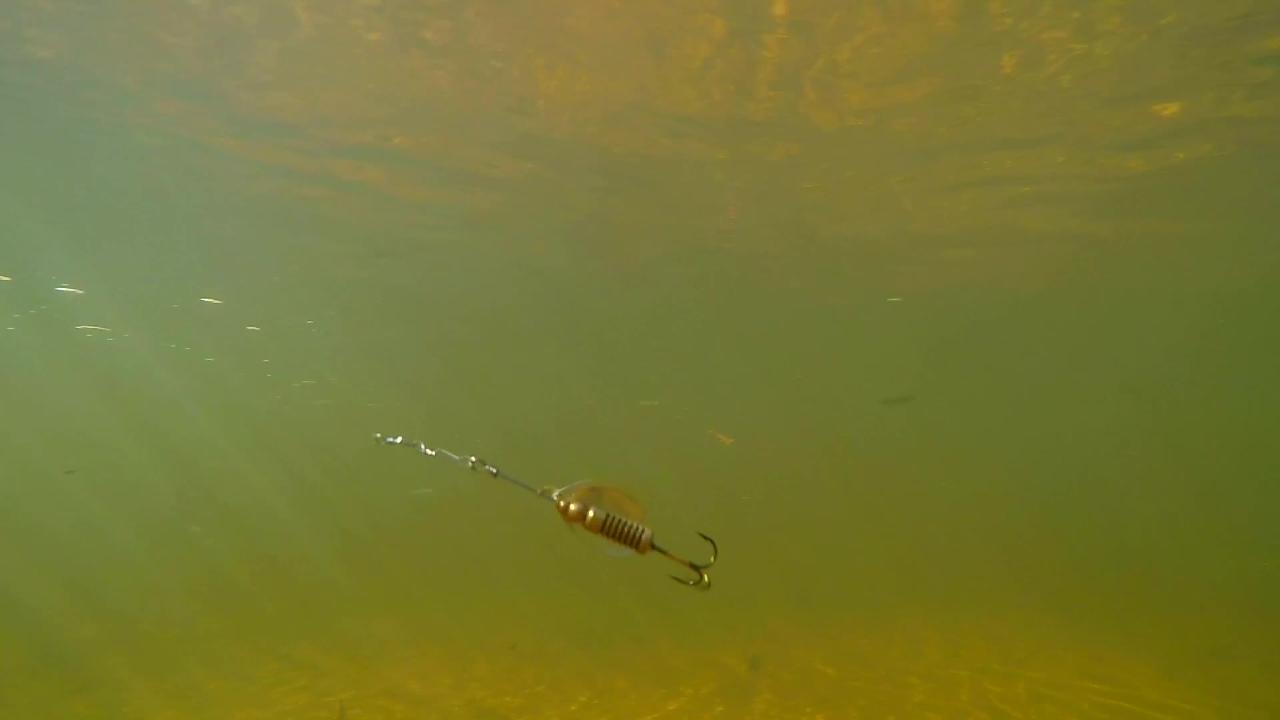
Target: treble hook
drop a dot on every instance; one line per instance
(703, 581)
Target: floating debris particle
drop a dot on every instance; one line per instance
(1009, 62)
(211, 301)
(722, 438)
(73, 291)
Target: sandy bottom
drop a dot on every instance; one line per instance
(908, 669)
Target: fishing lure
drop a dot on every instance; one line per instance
(599, 509)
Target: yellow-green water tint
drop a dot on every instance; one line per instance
(953, 322)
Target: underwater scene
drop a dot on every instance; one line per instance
(543, 359)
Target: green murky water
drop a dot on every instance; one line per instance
(952, 322)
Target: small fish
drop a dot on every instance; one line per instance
(5, 278)
(252, 327)
(92, 327)
(65, 289)
(213, 301)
